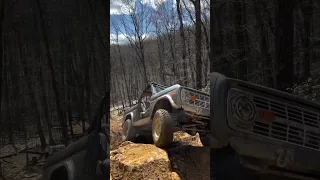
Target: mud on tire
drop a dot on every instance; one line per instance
(162, 128)
(129, 133)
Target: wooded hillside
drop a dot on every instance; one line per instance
(273, 43)
(168, 55)
(54, 67)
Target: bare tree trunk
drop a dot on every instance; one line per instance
(240, 18)
(27, 71)
(160, 48)
(82, 108)
(25, 139)
(6, 107)
(190, 64)
(1, 169)
(45, 106)
(160, 51)
(120, 89)
(264, 47)
(284, 38)
(207, 60)
(69, 95)
(143, 61)
(70, 121)
(198, 43)
(124, 70)
(1, 51)
(307, 9)
(87, 86)
(63, 123)
(183, 42)
(138, 21)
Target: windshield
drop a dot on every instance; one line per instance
(158, 87)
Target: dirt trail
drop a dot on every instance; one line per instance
(186, 157)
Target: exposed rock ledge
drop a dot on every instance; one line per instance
(141, 161)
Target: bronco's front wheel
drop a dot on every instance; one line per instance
(162, 128)
(128, 130)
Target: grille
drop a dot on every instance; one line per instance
(201, 100)
(292, 124)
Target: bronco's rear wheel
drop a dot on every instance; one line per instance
(162, 128)
(129, 133)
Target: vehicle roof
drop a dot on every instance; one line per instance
(152, 85)
(157, 84)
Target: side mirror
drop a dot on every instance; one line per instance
(134, 102)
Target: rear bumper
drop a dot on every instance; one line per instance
(196, 111)
(269, 156)
(185, 117)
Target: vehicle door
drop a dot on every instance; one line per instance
(96, 158)
(145, 105)
(143, 109)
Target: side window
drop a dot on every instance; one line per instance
(143, 99)
(146, 97)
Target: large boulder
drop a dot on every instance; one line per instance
(140, 161)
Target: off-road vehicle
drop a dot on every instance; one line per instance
(161, 110)
(87, 158)
(258, 130)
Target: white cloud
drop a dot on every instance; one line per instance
(114, 11)
(153, 3)
(124, 6)
(121, 7)
(185, 22)
(123, 38)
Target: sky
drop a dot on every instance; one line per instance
(120, 15)
(121, 22)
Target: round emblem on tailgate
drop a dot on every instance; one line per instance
(242, 111)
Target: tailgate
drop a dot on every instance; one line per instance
(195, 102)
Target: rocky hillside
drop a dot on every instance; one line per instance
(185, 159)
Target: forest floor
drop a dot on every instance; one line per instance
(186, 157)
(15, 167)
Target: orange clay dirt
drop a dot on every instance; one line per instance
(186, 159)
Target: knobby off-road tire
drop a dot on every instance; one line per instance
(225, 164)
(128, 130)
(162, 128)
